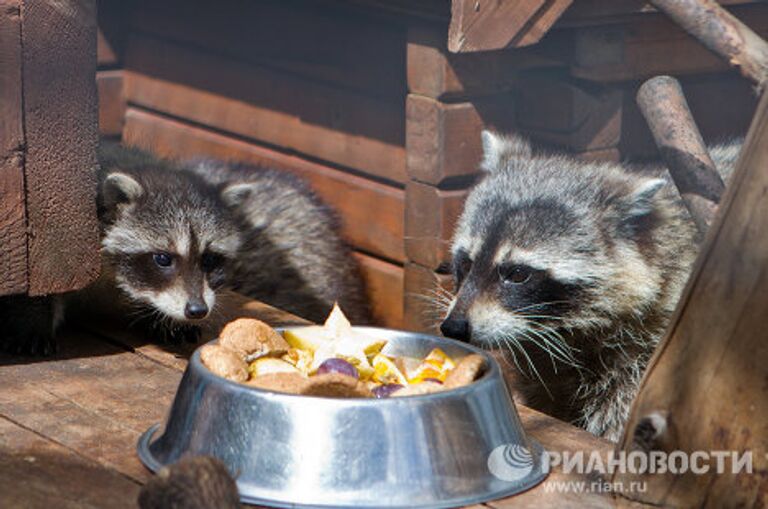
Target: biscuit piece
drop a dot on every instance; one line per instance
(224, 362)
(250, 337)
(292, 383)
(336, 385)
(419, 389)
(465, 372)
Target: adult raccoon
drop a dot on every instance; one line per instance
(573, 269)
(173, 234)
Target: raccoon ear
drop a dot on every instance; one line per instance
(235, 194)
(640, 199)
(498, 150)
(119, 188)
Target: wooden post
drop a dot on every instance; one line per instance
(706, 387)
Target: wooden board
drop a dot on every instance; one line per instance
(13, 237)
(648, 46)
(595, 12)
(272, 107)
(431, 215)
(384, 283)
(483, 25)
(318, 42)
(60, 125)
(111, 102)
(436, 73)
(427, 295)
(443, 139)
(371, 212)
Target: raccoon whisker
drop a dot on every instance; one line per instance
(530, 363)
(539, 304)
(507, 347)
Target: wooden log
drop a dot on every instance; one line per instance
(384, 284)
(13, 235)
(430, 217)
(324, 42)
(480, 25)
(443, 140)
(371, 212)
(642, 47)
(60, 125)
(111, 102)
(705, 388)
(722, 33)
(426, 297)
(314, 119)
(663, 104)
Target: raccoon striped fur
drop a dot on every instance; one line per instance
(572, 269)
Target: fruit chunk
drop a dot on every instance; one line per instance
(307, 338)
(386, 390)
(269, 365)
(436, 365)
(386, 372)
(301, 359)
(224, 362)
(337, 365)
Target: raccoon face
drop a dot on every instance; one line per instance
(548, 245)
(169, 240)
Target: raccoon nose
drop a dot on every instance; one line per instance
(195, 310)
(456, 328)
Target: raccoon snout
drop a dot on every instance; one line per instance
(196, 309)
(456, 328)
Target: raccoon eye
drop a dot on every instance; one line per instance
(211, 261)
(163, 259)
(515, 274)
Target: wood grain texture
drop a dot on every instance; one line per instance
(430, 217)
(426, 298)
(111, 102)
(60, 122)
(707, 379)
(272, 107)
(371, 212)
(13, 237)
(482, 25)
(443, 139)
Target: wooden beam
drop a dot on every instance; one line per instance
(425, 298)
(13, 235)
(384, 284)
(111, 102)
(705, 388)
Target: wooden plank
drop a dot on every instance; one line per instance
(556, 109)
(111, 102)
(483, 25)
(318, 42)
(371, 212)
(436, 73)
(318, 120)
(384, 284)
(431, 215)
(426, 299)
(35, 472)
(648, 46)
(60, 124)
(13, 237)
(597, 12)
(443, 140)
(707, 380)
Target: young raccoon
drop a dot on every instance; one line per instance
(173, 234)
(573, 269)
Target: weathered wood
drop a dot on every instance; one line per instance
(430, 216)
(436, 73)
(371, 212)
(111, 102)
(384, 284)
(482, 25)
(706, 382)
(663, 105)
(426, 298)
(258, 103)
(592, 12)
(319, 42)
(13, 238)
(722, 33)
(443, 140)
(60, 125)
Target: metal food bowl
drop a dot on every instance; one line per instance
(445, 449)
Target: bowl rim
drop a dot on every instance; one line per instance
(492, 372)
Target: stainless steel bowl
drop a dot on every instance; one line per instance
(420, 451)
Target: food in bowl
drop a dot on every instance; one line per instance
(332, 360)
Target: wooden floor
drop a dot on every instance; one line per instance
(69, 424)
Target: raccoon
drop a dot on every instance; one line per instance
(572, 269)
(173, 234)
